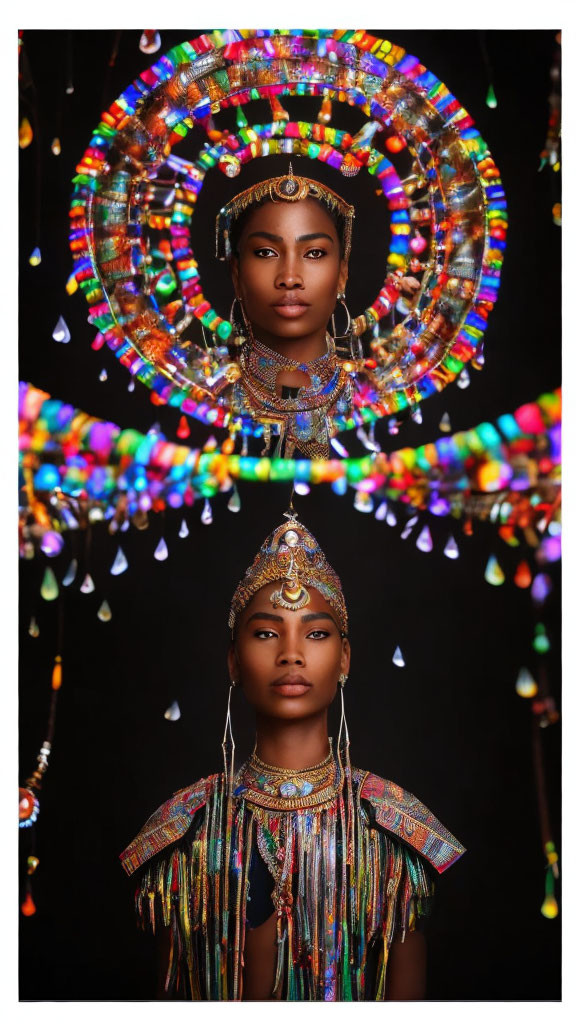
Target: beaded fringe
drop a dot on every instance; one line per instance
(344, 891)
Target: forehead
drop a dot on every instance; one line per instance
(261, 602)
(284, 218)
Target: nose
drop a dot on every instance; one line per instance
(288, 275)
(290, 653)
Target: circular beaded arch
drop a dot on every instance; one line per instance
(134, 199)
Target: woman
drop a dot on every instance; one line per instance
(298, 877)
(288, 241)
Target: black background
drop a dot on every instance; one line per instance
(449, 726)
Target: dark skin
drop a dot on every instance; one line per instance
(288, 272)
(288, 664)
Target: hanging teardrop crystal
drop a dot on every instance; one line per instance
(33, 628)
(526, 685)
(87, 585)
(363, 502)
(409, 527)
(61, 332)
(494, 573)
(398, 658)
(70, 573)
(445, 424)
(173, 713)
(451, 548)
(183, 531)
(120, 563)
(104, 612)
(381, 511)
(463, 380)
(424, 541)
(234, 503)
(206, 516)
(391, 518)
(103, 376)
(161, 552)
(49, 589)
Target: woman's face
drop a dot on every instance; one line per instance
(288, 663)
(289, 270)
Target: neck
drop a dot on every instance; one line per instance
(301, 350)
(294, 745)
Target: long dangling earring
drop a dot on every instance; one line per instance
(228, 745)
(242, 327)
(347, 772)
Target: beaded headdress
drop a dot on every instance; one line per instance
(287, 188)
(291, 556)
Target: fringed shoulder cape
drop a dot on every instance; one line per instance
(349, 870)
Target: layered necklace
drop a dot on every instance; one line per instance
(303, 420)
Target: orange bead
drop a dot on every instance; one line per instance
(183, 429)
(28, 907)
(523, 576)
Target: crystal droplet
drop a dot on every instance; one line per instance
(234, 503)
(49, 589)
(398, 658)
(206, 516)
(491, 100)
(87, 585)
(131, 385)
(35, 257)
(33, 628)
(445, 424)
(125, 526)
(464, 379)
(526, 685)
(103, 376)
(183, 531)
(173, 713)
(493, 573)
(523, 576)
(549, 908)
(56, 146)
(104, 612)
(416, 414)
(25, 133)
(183, 430)
(32, 864)
(424, 541)
(71, 284)
(390, 518)
(120, 563)
(150, 41)
(61, 332)
(57, 673)
(70, 573)
(540, 643)
(451, 549)
(161, 552)
(541, 587)
(339, 485)
(28, 907)
(381, 511)
(363, 502)
(301, 487)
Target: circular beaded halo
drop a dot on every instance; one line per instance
(134, 198)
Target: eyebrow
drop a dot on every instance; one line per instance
(301, 238)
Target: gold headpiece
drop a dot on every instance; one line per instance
(287, 188)
(292, 556)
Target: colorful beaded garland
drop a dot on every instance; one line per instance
(134, 199)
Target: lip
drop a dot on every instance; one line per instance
(291, 686)
(290, 306)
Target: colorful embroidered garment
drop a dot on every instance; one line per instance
(350, 861)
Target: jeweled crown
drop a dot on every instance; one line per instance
(285, 188)
(291, 556)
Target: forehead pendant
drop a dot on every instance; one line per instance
(291, 595)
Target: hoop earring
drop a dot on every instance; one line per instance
(228, 745)
(242, 327)
(352, 347)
